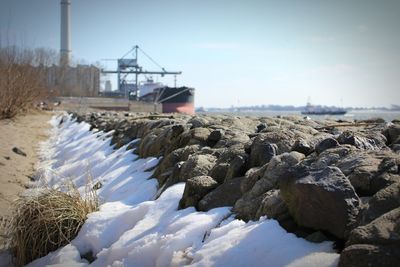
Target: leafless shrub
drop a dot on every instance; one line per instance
(22, 78)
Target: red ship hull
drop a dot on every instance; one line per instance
(185, 107)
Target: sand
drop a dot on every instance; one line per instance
(24, 132)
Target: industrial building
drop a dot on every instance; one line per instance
(68, 80)
(81, 80)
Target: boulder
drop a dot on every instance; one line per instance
(374, 141)
(395, 148)
(326, 144)
(279, 165)
(260, 127)
(360, 166)
(196, 165)
(224, 195)
(374, 244)
(303, 147)
(247, 206)
(273, 206)
(317, 198)
(198, 121)
(384, 201)
(392, 134)
(195, 189)
(367, 170)
(262, 153)
(168, 162)
(215, 136)
(199, 136)
(230, 163)
(251, 177)
(266, 145)
(361, 255)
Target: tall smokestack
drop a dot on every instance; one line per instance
(65, 49)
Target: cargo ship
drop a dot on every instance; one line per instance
(172, 99)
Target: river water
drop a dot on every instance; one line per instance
(351, 115)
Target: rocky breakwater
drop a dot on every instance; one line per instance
(322, 180)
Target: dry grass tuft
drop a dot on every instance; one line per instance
(47, 221)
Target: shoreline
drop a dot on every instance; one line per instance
(24, 132)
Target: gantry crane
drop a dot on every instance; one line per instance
(127, 66)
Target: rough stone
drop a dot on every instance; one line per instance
(196, 165)
(303, 147)
(318, 198)
(18, 151)
(378, 242)
(215, 136)
(361, 141)
(247, 207)
(361, 255)
(262, 154)
(392, 134)
(384, 201)
(195, 189)
(273, 206)
(231, 163)
(326, 144)
(224, 195)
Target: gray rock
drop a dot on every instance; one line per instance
(279, 165)
(360, 166)
(251, 177)
(361, 141)
(18, 151)
(382, 202)
(266, 145)
(383, 180)
(395, 148)
(262, 153)
(224, 195)
(376, 243)
(246, 208)
(199, 136)
(215, 136)
(273, 206)
(196, 165)
(317, 237)
(326, 144)
(231, 163)
(261, 127)
(169, 161)
(361, 255)
(392, 134)
(219, 171)
(198, 121)
(195, 189)
(303, 147)
(390, 165)
(318, 198)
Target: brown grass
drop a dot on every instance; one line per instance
(47, 221)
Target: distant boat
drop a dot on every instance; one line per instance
(395, 107)
(318, 110)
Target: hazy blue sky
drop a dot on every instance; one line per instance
(237, 52)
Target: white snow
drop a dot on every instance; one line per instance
(132, 228)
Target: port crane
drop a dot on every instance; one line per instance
(127, 66)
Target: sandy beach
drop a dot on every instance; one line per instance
(24, 132)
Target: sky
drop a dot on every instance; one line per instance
(235, 53)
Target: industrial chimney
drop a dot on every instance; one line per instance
(65, 48)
